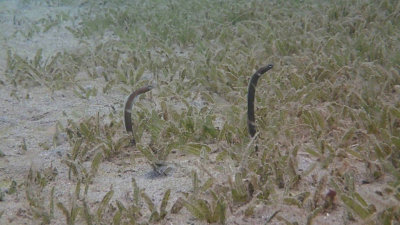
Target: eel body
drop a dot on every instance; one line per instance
(251, 123)
(128, 109)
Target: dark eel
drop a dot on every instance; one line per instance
(128, 109)
(251, 123)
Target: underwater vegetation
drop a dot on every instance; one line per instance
(327, 114)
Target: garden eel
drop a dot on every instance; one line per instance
(251, 123)
(128, 109)
(250, 102)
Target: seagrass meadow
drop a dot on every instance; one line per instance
(327, 113)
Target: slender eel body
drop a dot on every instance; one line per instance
(128, 109)
(251, 123)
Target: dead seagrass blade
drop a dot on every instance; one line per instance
(128, 110)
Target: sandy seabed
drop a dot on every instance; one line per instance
(29, 117)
